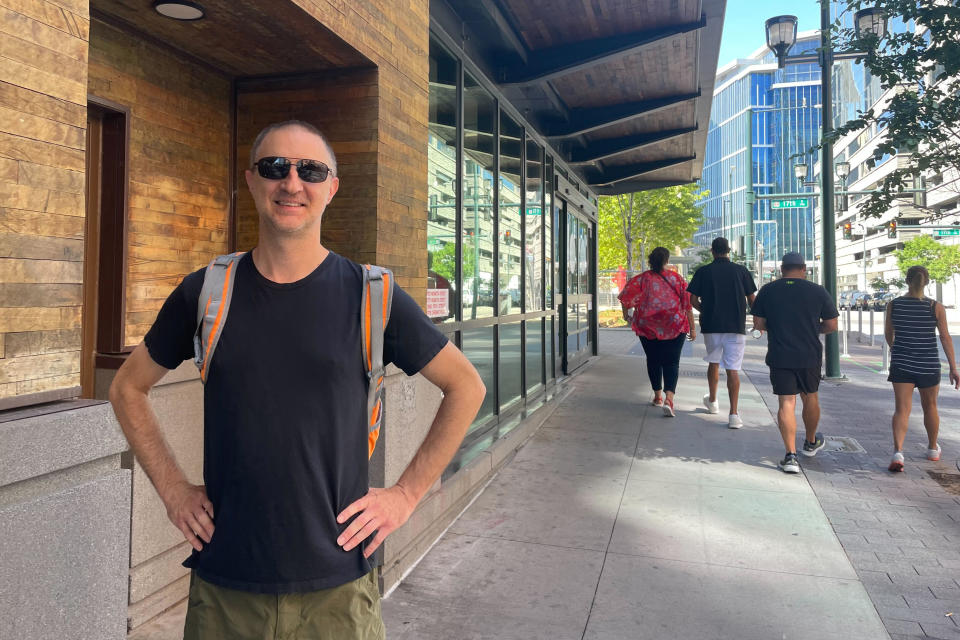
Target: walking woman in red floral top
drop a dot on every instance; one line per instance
(662, 319)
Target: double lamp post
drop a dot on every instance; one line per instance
(781, 36)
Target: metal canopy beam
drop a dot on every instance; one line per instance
(600, 149)
(587, 120)
(506, 29)
(627, 172)
(562, 60)
(632, 186)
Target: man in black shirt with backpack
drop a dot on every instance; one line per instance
(794, 312)
(286, 418)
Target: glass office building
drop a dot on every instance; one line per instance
(763, 121)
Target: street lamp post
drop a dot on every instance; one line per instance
(863, 230)
(760, 246)
(781, 32)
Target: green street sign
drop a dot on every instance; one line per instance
(533, 211)
(796, 203)
(946, 232)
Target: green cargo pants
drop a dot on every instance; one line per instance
(348, 612)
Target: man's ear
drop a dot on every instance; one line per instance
(334, 186)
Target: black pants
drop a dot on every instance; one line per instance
(663, 361)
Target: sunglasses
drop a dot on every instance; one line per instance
(278, 168)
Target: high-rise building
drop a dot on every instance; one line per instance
(763, 121)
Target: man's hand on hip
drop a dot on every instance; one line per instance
(381, 510)
(191, 511)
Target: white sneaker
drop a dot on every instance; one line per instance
(734, 421)
(712, 407)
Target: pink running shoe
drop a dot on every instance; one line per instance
(668, 408)
(896, 462)
(934, 454)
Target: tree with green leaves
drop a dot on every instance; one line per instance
(942, 261)
(921, 68)
(631, 225)
(443, 261)
(882, 284)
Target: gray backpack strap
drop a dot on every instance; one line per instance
(374, 315)
(212, 308)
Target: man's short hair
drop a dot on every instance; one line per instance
(720, 246)
(292, 123)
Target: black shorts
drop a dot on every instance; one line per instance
(919, 380)
(790, 382)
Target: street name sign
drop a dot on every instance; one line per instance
(795, 203)
(947, 232)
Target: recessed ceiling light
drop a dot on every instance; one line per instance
(179, 9)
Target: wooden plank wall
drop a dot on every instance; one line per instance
(343, 105)
(395, 36)
(179, 158)
(43, 79)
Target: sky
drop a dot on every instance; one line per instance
(744, 23)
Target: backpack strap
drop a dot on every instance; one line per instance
(212, 308)
(374, 315)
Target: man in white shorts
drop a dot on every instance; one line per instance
(721, 291)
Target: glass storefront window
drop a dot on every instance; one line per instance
(511, 365)
(533, 228)
(548, 231)
(511, 186)
(573, 281)
(479, 191)
(534, 350)
(478, 347)
(441, 186)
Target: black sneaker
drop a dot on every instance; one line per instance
(789, 464)
(810, 448)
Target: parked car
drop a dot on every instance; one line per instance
(863, 301)
(881, 300)
(846, 297)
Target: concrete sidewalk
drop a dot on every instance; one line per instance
(615, 522)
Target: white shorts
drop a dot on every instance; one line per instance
(725, 349)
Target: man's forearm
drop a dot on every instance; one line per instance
(457, 410)
(142, 430)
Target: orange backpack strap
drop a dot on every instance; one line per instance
(374, 316)
(212, 308)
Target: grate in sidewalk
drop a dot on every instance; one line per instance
(842, 444)
(949, 481)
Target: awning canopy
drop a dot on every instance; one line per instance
(621, 89)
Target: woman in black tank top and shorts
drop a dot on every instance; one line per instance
(911, 326)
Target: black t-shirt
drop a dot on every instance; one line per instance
(285, 435)
(722, 287)
(793, 309)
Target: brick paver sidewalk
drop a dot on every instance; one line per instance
(901, 531)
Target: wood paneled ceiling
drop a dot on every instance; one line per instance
(622, 88)
(239, 38)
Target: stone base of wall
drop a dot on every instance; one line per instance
(64, 523)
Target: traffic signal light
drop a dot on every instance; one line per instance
(892, 229)
(847, 231)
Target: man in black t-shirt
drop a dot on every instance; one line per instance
(285, 419)
(720, 291)
(794, 312)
